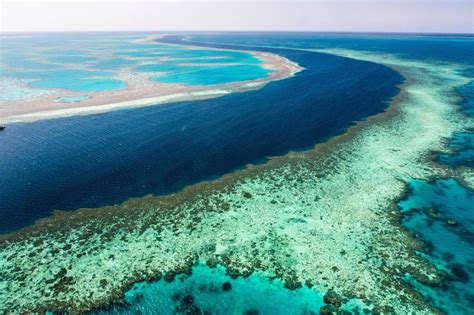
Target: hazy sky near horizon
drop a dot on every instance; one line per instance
(444, 16)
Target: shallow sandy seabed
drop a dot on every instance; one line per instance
(140, 91)
(325, 217)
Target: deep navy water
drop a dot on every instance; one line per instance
(104, 159)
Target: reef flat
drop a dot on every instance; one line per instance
(43, 87)
(326, 217)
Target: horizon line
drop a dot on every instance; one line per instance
(242, 31)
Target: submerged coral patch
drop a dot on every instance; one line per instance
(442, 214)
(211, 291)
(462, 145)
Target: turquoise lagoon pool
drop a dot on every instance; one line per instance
(441, 213)
(211, 291)
(204, 75)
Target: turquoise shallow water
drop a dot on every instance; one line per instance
(209, 75)
(188, 53)
(113, 63)
(203, 67)
(74, 59)
(442, 214)
(70, 79)
(211, 291)
(203, 74)
(463, 151)
(76, 62)
(91, 84)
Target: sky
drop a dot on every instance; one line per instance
(430, 16)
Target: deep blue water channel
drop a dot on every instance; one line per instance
(103, 159)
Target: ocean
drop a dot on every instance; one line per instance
(103, 159)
